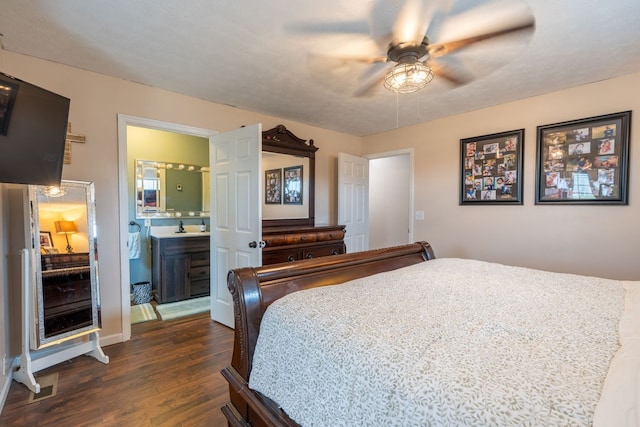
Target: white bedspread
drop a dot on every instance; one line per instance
(446, 342)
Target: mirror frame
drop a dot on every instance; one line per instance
(39, 338)
(281, 140)
(164, 214)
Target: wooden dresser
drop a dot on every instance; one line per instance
(66, 292)
(286, 244)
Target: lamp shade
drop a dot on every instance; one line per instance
(65, 227)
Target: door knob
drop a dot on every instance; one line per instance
(255, 244)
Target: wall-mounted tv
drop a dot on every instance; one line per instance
(33, 129)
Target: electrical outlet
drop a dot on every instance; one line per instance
(419, 215)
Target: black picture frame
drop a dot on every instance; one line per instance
(46, 241)
(8, 93)
(292, 190)
(584, 161)
(273, 186)
(491, 168)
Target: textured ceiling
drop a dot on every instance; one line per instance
(254, 54)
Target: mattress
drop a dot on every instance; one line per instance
(453, 342)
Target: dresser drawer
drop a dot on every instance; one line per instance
(286, 244)
(198, 273)
(319, 251)
(200, 258)
(295, 238)
(322, 236)
(274, 240)
(200, 287)
(283, 255)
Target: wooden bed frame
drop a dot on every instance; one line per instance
(254, 289)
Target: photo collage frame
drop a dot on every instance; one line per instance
(584, 161)
(492, 168)
(283, 186)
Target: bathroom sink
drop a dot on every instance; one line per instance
(162, 234)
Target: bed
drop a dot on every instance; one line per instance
(573, 360)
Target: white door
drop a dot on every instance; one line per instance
(236, 219)
(353, 201)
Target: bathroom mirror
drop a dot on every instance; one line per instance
(289, 167)
(171, 190)
(64, 262)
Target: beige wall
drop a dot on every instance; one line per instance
(95, 102)
(593, 240)
(598, 240)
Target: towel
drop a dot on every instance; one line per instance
(134, 245)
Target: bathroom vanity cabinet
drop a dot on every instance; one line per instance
(180, 267)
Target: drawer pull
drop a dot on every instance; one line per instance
(334, 252)
(291, 258)
(309, 256)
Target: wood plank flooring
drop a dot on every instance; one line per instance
(168, 374)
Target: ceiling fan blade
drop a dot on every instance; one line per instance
(454, 75)
(372, 80)
(414, 18)
(346, 27)
(349, 47)
(482, 23)
(440, 49)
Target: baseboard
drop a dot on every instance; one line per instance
(4, 390)
(110, 339)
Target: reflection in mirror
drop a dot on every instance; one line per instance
(293, 159)
(169, 190)
(66, 264)
(284, 206)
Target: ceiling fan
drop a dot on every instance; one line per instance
(406, 57)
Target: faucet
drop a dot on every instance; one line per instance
(181, 227)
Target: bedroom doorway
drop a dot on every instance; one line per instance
(381, 217)
(126, 197)
(390, 199)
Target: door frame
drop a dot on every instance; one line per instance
(402, 152)
(123, 197)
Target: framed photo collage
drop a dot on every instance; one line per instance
(577, 162)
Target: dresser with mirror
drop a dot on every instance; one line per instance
(289, 232)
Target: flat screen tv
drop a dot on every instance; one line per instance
(33, 129)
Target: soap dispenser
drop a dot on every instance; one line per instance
(203, 227)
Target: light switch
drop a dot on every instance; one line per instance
(419, 215)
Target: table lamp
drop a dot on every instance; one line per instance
(66, 228)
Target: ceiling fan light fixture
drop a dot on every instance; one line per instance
(52, 191)
(408, 78)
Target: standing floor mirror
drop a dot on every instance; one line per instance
(64, 263)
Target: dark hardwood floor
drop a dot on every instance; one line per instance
(168, 374)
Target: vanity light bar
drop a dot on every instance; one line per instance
(162, 165)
